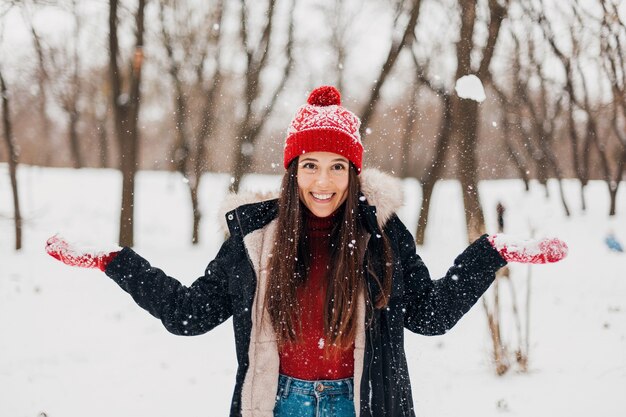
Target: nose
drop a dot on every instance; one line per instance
(323, 178)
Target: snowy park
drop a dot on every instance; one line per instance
(73, 344)
(135, 125)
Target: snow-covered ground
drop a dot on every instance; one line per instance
(72, 344)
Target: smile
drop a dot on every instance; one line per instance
(322, 197)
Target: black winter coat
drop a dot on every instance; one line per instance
(229, 285)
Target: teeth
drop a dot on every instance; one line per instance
(322, 196)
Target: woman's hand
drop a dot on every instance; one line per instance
(532, 251)
(70, 254)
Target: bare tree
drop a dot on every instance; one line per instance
(521, 99)
(465, 113)
(42, 79)
(397, 45)
(408, 133)
(340, 19)
(125, 104)
(620, 167)
(434, 170)
(568, 60)
(508, 118)
(256, 113)
(591, 132)
(541, 123)
(464, 126)
(13, 160)
(101, 116)
(66, 84)
(459, 120)
(614, 64)
(200, 43)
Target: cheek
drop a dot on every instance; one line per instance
(301, 186)
(342, 187)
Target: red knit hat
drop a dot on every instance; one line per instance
(322, 125)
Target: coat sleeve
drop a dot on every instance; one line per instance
(434, 306)
(183, 310)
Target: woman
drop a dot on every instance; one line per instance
(320, 282)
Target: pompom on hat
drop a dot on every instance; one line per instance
(322, 125)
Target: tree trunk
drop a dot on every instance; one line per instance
(77, 158)
(435, 168)
(467, 126)
(466, 112)
(614, 184)
(422, 222)
(75, 90)
(408, 133)
(518, 162)
(205, 132)
(464, 126)
(243, 162)
(197, 215)
(13, 161)
(563, 200)
(619, 169)
(500, 358)
(128, 167)
(126, 116)
(102, 143)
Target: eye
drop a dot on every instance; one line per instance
(339, 167)
(308, 165)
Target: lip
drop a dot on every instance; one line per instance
(320, 201)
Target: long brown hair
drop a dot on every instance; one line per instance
(290, 261)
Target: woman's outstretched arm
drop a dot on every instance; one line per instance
(183, 310)
(435, 306)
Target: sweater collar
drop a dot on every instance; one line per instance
(320, 226)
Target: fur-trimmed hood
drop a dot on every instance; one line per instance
(379, 188)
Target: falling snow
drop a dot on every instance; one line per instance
(76, 325)
(320, 343)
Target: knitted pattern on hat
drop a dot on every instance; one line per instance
(322, 125)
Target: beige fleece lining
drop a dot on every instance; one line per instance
(359, 353)
(258, 394)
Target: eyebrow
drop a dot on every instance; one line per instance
(334, 160)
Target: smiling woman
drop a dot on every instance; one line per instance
(322, 181)
(321, 282)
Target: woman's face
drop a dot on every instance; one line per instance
(323, 181)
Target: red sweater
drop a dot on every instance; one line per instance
(307, 359)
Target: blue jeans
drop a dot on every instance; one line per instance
(299, 398)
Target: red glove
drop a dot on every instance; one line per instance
(59, 248)
(533, 251)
